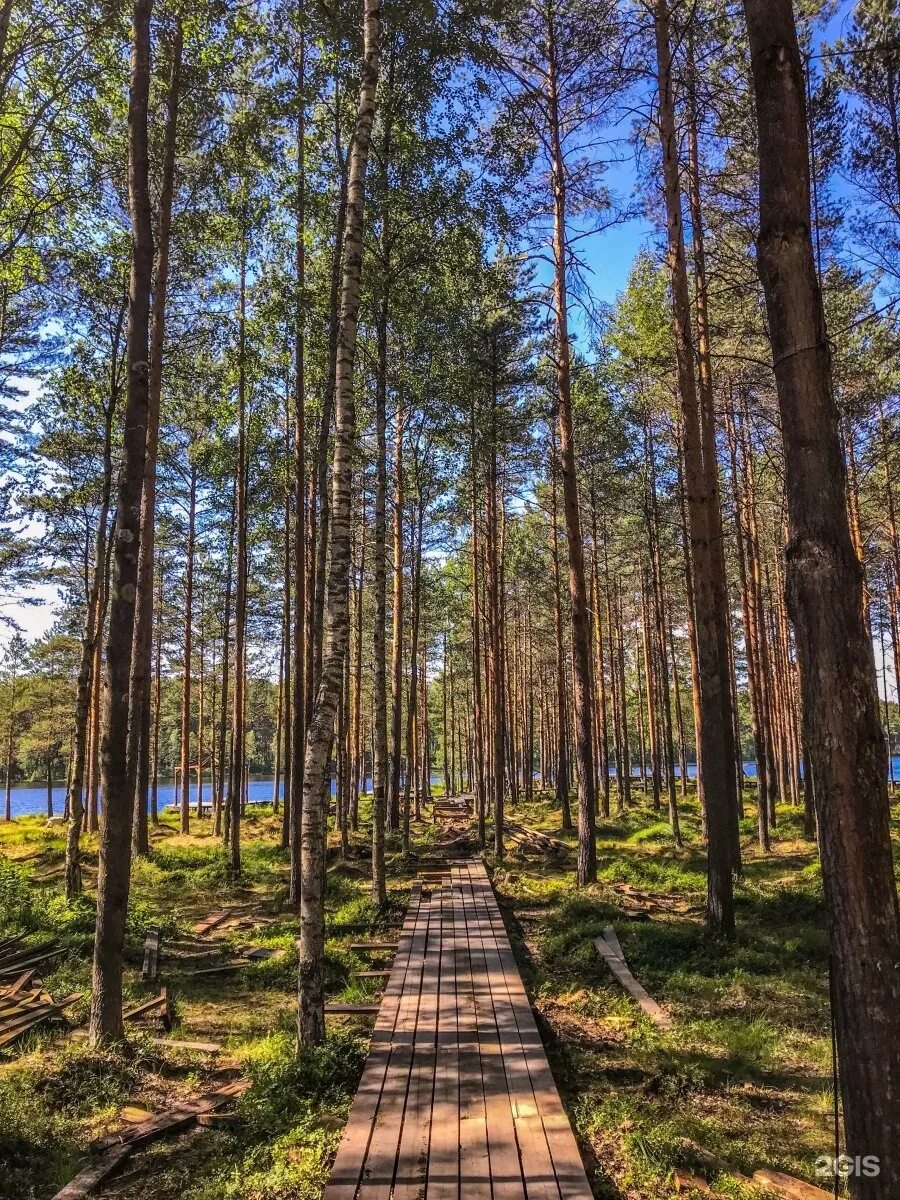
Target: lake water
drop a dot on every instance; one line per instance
(27, 800)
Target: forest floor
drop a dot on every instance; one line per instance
(744, 1074)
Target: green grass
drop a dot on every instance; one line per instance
(745, 1072)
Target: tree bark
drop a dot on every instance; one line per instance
(581, 630)
(715, 700)
(139, 684)
(115, 836)
(185, 797)
(90, 640)
(310, 986)
(843, 736)
(301, 638)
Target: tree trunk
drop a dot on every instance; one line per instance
(581, 630)
(562, 732)
(311, 994)
(234, 801)
(139, 684)
(393, 797)
(301, 638)
(843, 736)
(715, 700)
(185, 798)
(90, 640)
(115, 836)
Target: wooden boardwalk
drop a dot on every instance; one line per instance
(457, 1100)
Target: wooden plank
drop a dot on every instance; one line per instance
(474, 1154)
(374, 945)
(151, 953)
(12, 1030)
(20, 984)
(350, 1158)
(86, 1180)
(12, 968)
(217, 970)
(349, 1009)
(371, 974)
(148, 1006)
(442, 1182)
(213, 921)
(412, 1152)
(537, 1164)
(199, 1047)
(382, 1152)
(503, 1166)
(788, 1187)
(620, 969)
(612, 939)
(567, 1164)
(175, 1118)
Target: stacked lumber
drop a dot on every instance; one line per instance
(533, 839)
(23, 1001)
(662, 902)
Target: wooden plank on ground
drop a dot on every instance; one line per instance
(350, 1159)
(177, 1117)
(13, 1029)
(151, 953)
(620, 969)
(788, 1187)
(86, 1180)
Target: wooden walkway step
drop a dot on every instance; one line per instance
(457, 1099)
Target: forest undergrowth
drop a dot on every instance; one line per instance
(745, 1074)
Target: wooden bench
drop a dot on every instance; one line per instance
(457, 1098)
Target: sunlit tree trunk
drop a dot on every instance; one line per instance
(117, 800)
(581, 635)
(842, 730)
(310, 986)
(708, 564)
(139, 687)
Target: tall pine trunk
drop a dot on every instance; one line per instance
(115, 835)
(310, 978)
(581, 626)
(715, 699)
(842, 729)
(139, 686)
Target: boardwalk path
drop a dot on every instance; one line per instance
(457, 1101)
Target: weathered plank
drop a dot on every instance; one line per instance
(457, 1098)
(620, 969)
(85, 1181)
(151, 953)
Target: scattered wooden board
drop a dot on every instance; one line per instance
(151, 953)
(347, 1009)
(619, 968)
(789, 1187)
(85, 1181)
(175, 1118)
(374, 945)
(162, 1001)
(13, 1029)
(198, 1047)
